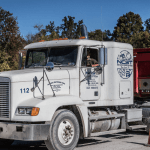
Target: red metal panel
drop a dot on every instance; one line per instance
(136, 80)
(142, 57)
(141, 68)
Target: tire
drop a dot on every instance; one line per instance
(146, 117)
(64, 131)
(5, 142)
(145, 121)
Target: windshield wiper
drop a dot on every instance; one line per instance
(34, 65)
(55, 63)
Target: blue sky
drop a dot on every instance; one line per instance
(96, 14)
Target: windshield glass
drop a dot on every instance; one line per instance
(63, 56)
(60, 56)
(36, 58)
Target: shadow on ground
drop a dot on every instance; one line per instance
(88, 142)
(24, 145)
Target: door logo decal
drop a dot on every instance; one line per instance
(57, 85)
(125, 64)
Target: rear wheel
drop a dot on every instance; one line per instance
(145, 121)
(64, 131)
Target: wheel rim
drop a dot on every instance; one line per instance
(66, 132)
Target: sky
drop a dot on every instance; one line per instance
(96, 14)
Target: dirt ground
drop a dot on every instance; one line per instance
(133, 140)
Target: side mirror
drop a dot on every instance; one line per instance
(49, 66)
(20, 60)
(102, 56)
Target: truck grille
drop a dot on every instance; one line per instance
(4, 98)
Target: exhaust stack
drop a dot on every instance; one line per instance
(84, 31)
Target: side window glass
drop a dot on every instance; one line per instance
(90, 57)
(30, 58)
(84, 57)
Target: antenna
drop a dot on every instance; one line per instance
(102, 25)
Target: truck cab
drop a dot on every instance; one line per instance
(69, 89)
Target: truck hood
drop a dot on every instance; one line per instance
(27, 75)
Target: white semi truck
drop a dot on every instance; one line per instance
(69, 89)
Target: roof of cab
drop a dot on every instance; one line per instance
(74, 42)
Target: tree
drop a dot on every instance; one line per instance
(50, 27)
(10, 39)
(127, 25)
(99, 35)
(147, 24)
(141, 39)
(69, 28)
(30, 38)
(4, 60)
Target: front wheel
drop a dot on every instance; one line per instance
(64, 131)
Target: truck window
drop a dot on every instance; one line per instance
(36, 58)
(89, 57)
(63, 56)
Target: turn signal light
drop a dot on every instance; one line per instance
(35, 111)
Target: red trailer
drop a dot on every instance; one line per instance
(142, 73)
(142, 81)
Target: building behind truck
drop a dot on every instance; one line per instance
(142, 81)
(58, 98)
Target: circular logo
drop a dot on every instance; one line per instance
(124, 64)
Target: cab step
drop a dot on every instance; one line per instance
(107, 132)
(136, 127)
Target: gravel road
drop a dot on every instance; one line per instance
(133, 140)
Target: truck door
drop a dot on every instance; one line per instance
(89, 80)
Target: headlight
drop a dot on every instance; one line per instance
(28, 110)
(32, 111)
(21, 110)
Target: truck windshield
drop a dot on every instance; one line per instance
(63, 56)
(36, 58)
(60, 56)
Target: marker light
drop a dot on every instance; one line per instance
(60, 39)
(65, 38)
(82, 37)
(41, 40)
(35, 111)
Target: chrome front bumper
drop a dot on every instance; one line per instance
(25, 132)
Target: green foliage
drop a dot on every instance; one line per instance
(99, 35)
(129, 29)
(141, 40)
(10, 39)
(127, 26)
(50, 27)
(4, 60)
(147, 24)
(70, 29)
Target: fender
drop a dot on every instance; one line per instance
(83, 111)
(47, 107)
